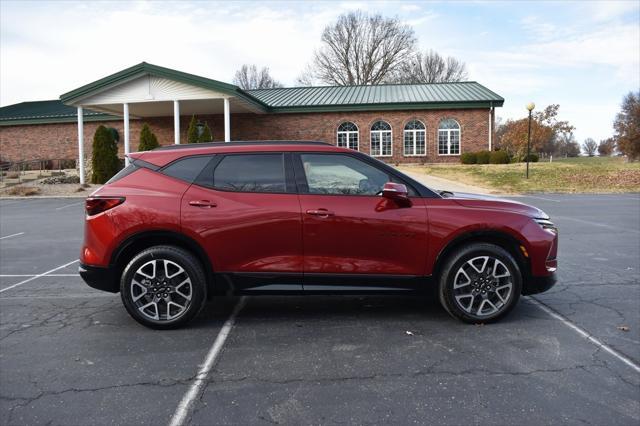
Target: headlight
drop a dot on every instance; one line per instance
(546, 224)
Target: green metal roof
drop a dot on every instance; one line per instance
(390, 96)
(281, 100)
(47, 112)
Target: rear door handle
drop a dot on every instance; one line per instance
(202, 203)
(320, 212)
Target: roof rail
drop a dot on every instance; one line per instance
(212, 144)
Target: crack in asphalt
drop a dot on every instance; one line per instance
(43, 394)
(68, 318)
(429, 372)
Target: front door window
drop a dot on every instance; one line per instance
(341, 175)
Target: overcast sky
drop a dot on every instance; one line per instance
(584, 55)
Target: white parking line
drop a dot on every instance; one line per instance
(12, 235)
(35, 275)
(629, 198)
(597, 224)
(183, 409)
(542, 198)
(69, 205)
(38, 276)
(91, 295)
(585, 334)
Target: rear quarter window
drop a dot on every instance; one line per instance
(187, 169)
(124, 172)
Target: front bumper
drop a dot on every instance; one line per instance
(535, 285)
(100, 278)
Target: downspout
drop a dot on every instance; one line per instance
(490, 126)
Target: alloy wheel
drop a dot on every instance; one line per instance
(483, 286)
(161, 290)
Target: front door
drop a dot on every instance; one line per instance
(245, 213)
(352, 235)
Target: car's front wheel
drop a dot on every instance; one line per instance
(480, 283)
(163, 287)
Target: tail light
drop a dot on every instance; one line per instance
(95, 205)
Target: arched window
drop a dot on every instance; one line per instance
(348, 135)
(414, 138)
(381, 145)
(449, 137)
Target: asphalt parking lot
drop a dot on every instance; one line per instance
(71, 355)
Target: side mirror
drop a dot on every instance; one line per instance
(396, 192)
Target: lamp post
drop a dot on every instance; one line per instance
(530, 107)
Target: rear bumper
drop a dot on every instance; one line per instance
(535, 285)
(101, 278)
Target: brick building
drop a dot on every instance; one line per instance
(397, 123)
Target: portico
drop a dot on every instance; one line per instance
(146, 90)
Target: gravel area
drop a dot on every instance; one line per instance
(37, 188)
(65, 189)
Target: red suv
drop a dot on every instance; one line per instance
(183, 223)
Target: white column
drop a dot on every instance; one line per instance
(176, 122)
(227, 121)
(81, 145)
(125, 108)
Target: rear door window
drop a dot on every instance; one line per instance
(251, 173)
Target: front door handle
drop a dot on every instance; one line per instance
(320, 212)
(202, 203)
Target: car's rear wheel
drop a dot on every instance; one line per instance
(163, 287)
(480, 283)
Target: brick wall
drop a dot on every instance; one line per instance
(27, 142)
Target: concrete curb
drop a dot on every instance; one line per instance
(445, 184)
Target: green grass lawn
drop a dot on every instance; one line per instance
(582, 174)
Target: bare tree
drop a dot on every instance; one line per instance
(249, 77)
(430, 68)
(306, 77)
(567, 145)
(589, 146)
(361, 49)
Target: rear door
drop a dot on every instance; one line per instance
(352, 235)
(244, 210)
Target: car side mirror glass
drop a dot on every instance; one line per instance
(396, 192)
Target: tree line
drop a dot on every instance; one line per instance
(362, 49)
(550, 136)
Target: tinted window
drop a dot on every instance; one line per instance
(251, 173)
(124, 172)
(342, 174)
(187, 169)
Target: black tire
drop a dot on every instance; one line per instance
(481, 285)
(148, 291)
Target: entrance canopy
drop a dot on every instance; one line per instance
(150, 90)
(146, 90)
